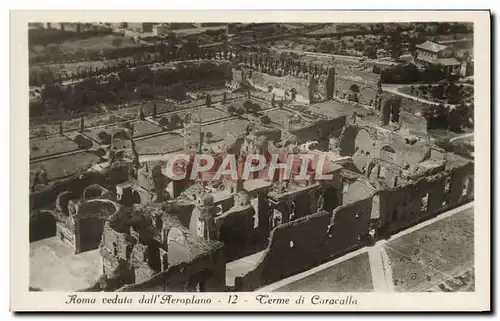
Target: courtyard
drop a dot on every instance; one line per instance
(54, 266)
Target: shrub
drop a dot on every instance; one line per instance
(82, 142)
(265, 120)
(104, 137)
(177, 91)
(175, 119)
(231, 109)
(164, 122)
(209, 136)
(240, 111)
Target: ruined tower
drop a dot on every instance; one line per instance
(330, 83)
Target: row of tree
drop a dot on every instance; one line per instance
(410, 74)
(129, 84)
(454, 118)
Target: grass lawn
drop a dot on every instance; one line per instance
(48, 146)
(65, 165)
(432, 254)
(209, 113)
(352, 275)
(73, 67)
(89, 44)
(54, 266)
(280, 118)
(141, 128)
(160, 145)
(220, 130)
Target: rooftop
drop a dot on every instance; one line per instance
(431, 46)
(448, 62)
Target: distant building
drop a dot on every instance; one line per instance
(161, 30)
(430, 53)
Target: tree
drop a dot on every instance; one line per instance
(175, 119)
(104, 137)
(154, 110)
(265, 120)
(240, 111)
(209, 136)
(177, 91)
(231, 109)
(458, 118)
(370, 52)
(117, 42)
(82, 142)
(396, 45)
(164, 122)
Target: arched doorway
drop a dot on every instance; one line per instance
(388, 153)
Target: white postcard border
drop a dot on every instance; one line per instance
(23, 300)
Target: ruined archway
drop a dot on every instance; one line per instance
(89, 222)
(388, 154)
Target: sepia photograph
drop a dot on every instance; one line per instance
(269, 157)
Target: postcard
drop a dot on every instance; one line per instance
(250, 161)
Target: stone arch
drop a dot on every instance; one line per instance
(120, 134)
(178, 251)
(90, 220)
(354, 88)
(93, 191)
(136, 198)
(388, 153)
(120, 138)
(62, 202)
(42, 225)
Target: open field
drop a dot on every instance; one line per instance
(65, 165)
(209, 113)
(352, 275)
(72, 68)
(434, 254)
(90, 44)
(220, 130)
(62, 270)
(163, 144)
(281, 118)
(49, 146)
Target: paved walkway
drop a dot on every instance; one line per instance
(381, 269)
(461, 137)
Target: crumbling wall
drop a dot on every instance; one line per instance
(205, 273)
(320, 130)
(293, 248)
(406, 205)
(76, 184)
(237, 232)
